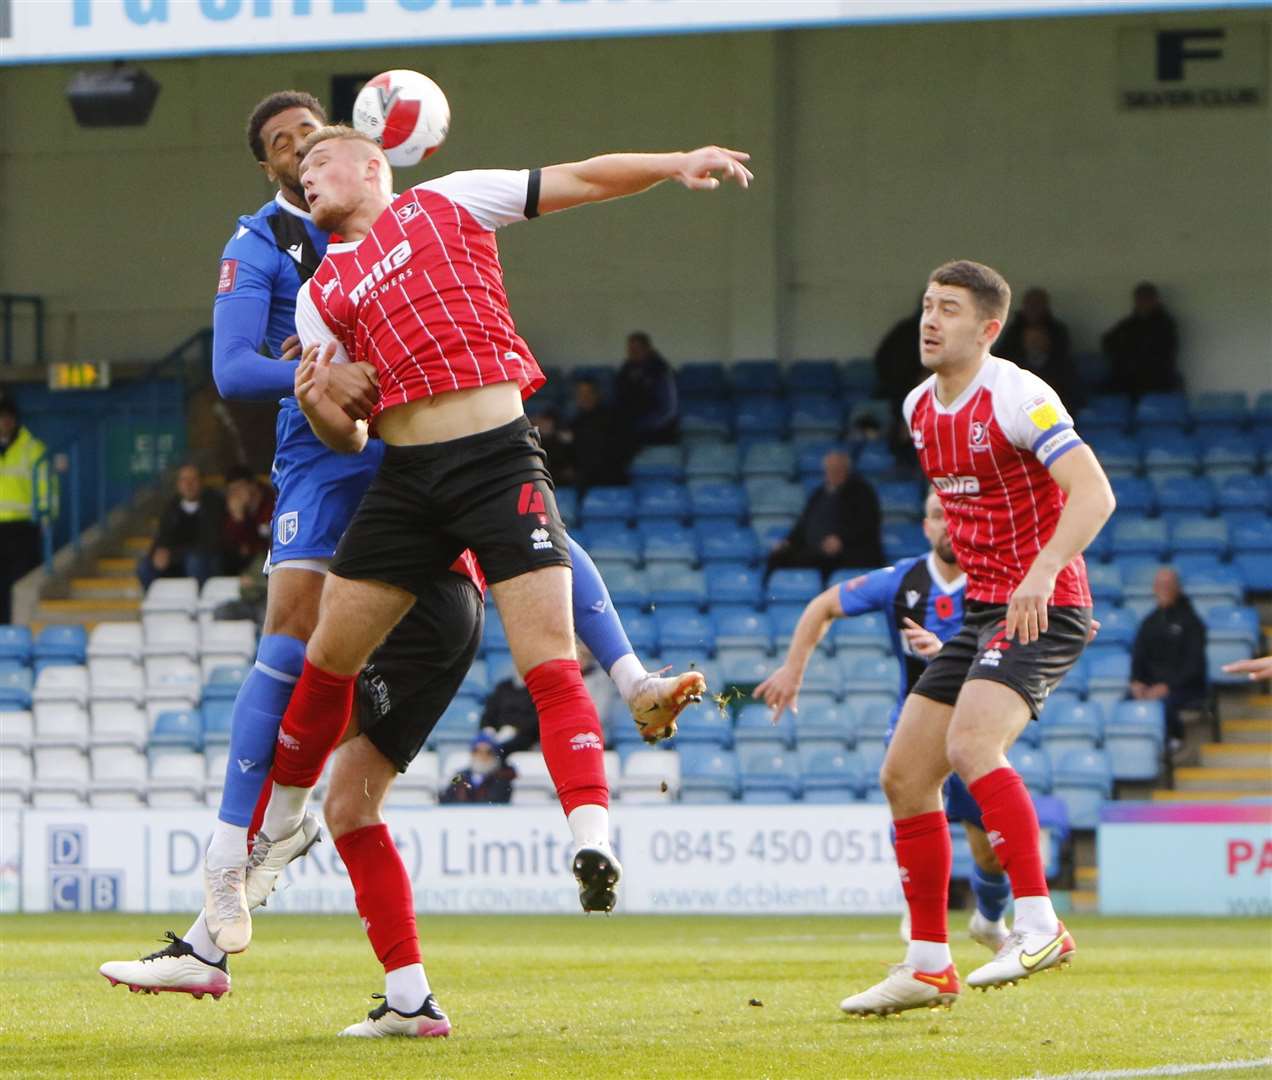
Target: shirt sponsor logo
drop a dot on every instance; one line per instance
(956, 485)
(1041, 412)
(541, 540)
(1057, 442)
(229, 271)
(395, 259)
(585, 740)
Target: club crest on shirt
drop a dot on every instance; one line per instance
(288, 526)
(916, 434)
(405, 213)
(979, 435)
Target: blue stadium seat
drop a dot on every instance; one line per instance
(1203, 534)
(1139, 536)
(224, 681)
(706, 418)
(712, 461)
(728, 584)
(722, 502)
(743, 628)
(756, 377)
(783, 619)
(1133, 740)
(1034, 767)
(614, 543)
(1075, 679)
(477, 682)
(1118, 628)
(1071, 725)
(769, 459)
(708, 778)
(825, 675)
(66, 643)
(1108, 667)
(459, 723)
(1255, 569)
(493, 636)
(857, 376)
(1172, 452)
(1225, 652)
(1227, 447)
(813, 377)
(875, 458)
(15, 644)
(766, 770)
(608, 504)
(703, 724)
(874, 719)
(1107, 410)
(675, 585)
(1204, 583)
(657, 463)
(1106, 582)
(1135, 495)
(15, 688)
(702, 379)
(1245, 493)
(178, 730)
(875, 409)
(668, 542)
(662, 501)
(1218, 407)
(218, 717)
(1168, 409)
(725, 542)
(815, 416)
(1119, 454)
(870, 627)
(831, 775)
(768, 495)
(744, 668)
(826, 722)
(679, 628)
(810, 454)
(1230, 622)
(793, 586)
(1263, 407)
(642, 632)
(626, 586)
(903, 539)
(900, 498)
(754, 726)
(760, 417)
(1194, 494)
(1252, 535)
(1084, 780)
(567, 500)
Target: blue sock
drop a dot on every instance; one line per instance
(258, 712)
(595, 619)
(992, 893)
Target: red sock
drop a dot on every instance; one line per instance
(316, 717)
(569, 734)
(1008, 815)
(258, 815)
(925, 858)
(382, 890)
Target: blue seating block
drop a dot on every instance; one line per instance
(767, 770)
(1133, 740)
(744, 628)
(15, 644)
(69, 643)
(728, 584)
(181, 730)
(754, 726)
(681, 629)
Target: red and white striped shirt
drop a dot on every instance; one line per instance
(987, 454)
(421, 296)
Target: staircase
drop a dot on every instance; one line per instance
(103, 587)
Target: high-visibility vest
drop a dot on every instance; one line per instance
(17, 464)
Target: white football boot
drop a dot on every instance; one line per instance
(176, 969)
(381, 1022)
(905, 988)
(270, 857)
(659, 699)
(1024, 954)
(225, 908)
(993, 935)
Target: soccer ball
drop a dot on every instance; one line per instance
(405, 112)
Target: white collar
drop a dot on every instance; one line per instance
(294, 210)
(969, 391)
(344, 245)
(949, 588)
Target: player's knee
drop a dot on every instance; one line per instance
(968, 754)
(347, 811)
(897, 781)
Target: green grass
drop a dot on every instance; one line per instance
(631, 997)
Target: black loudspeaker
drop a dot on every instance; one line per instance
(113, 97)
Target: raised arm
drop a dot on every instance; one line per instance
(612, 176)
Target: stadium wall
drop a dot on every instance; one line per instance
(879, 152)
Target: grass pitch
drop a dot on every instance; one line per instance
(633, 997)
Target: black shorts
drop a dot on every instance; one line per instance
(489, 492)
(412, 678)
(980, 650)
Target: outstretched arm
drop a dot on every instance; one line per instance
(780, 691)
(612, 176)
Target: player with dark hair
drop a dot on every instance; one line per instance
(1023, 497)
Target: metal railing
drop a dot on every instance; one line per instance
(8, 302)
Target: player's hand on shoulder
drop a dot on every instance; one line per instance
(780, 691)
(354, 388)
(699, 168)
(922, 641)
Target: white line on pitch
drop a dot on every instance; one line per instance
(1161, 1070)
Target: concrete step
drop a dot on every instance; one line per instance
(105, 588)
(89, 612)
(1088, 877)
(1165, 795)
(1085, 901)
(1238, 754)
(1249, 780)
(1245, 706)
(138, 545)
(1247, 731)
(117, 566)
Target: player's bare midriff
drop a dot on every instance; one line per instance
(452, 415)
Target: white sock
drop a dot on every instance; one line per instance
(198, 938)
(1035, 915)
(627, 674)
(930, 956)
(590, 825)
(405, 988)
(285, 812)
(228, 846)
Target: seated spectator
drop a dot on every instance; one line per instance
(839, 526)
(898, 369)
(1143, 349)
(486, 780)
(600, 448)
(1168, 662)
(558, 444)
(645, 394)
(249, 510)
(1038, 341)
(510, 716)
(188, 543)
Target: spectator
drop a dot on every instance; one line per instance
(1168, 663)
(898, 369)
(1038, 341)
(1143, 349)
(188, 543)
(19, 530)
(486, 780)
(645, 393)
(558, 444)
(839, 526)
(249, 510)
(600, 450)
(510, 716)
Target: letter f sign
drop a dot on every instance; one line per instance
(1173, 50)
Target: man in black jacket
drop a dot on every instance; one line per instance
(839, 526)
(188, 543)
(1039, 342)
(486, 780)
(1168, 663)
(1143, 349)
(645, 393)
(601, 444)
